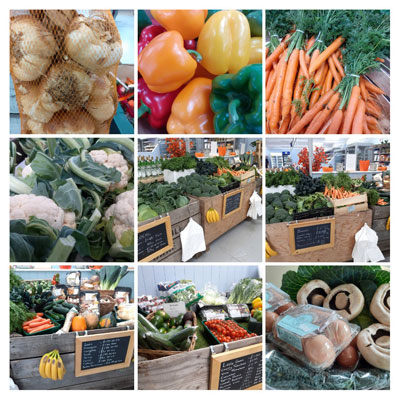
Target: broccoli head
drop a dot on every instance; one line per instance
(269, 197)
(290, 206)
(277, 204)
(285, 197)
(274, 221)
(285, 192)
(288, 218)
(281, 214)
(270, 211)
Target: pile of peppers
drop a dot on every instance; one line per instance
(200, 71)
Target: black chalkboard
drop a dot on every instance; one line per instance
(241, 373)
(103, 352)
(154, 239)
(232, 202)
(312, 236)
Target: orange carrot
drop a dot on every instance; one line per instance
(338, 65)
(313, 122)
(326, 54)
(40, 328)
(336, 122)
(316, 94)
(373, 88)
(365, 126)
(275, 54)
(303, 64)
(285, 124)
(333, 69)
(319, 74)
(36, 324)
(320, 120)
(363, 89)
(371, 120)
(276, 100)
(311, 113)
(270, 85)
(328, 82)
(351, 110)
(292, 67)
(358, 120)
(314, 56)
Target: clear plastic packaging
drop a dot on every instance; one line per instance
(313, 335)
(283, 373)
(275, 298)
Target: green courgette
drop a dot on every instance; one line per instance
(67, 305)
(147, 324)
(60, 309)
(48, 307)
(180, 336)
(185, 344)
(158, 341)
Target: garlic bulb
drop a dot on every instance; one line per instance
(101, 104)
(93, 42)
(31, 48)
(72, 122)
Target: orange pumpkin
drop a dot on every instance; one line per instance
(78, 324)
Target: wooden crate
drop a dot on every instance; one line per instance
(186, 371)
(26, 352)
(179, 220)
(247, 177)
(159, 178)
(380, 215)
(215, 230)
(346, 226)
(352, 204)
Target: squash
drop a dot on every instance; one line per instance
(92, 320)
(78, 324)
(108, 320)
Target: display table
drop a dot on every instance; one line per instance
(346, 226)
(185, 371)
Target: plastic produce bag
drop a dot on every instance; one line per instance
(283, 373)
(245, 291)
(366, 247)
(211, 296)
(312, 335)
(255, 208)
(192, 238)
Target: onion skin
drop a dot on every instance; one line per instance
(31, 48)
(101, 104)
(94, 43)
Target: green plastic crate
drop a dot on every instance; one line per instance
(56, 327)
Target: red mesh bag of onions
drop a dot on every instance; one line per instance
(63, 64)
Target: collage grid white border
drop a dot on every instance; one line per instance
(172, 4)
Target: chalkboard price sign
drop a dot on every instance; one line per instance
(154, 239)
(238, 369)
(310, 236)
(104, 352)
(232, 203)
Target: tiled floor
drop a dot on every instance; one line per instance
(243, 243)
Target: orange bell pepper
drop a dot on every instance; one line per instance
(165, 64)
(188, 23)
(191, 111)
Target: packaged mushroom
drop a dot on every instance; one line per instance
(313, 335)
(276, 303)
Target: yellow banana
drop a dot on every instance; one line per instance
(388, 224)
(267, 255)
(54, 372)
(48, 367)
(217, 215)
(42, 365)
(269, 250)
(60, 369)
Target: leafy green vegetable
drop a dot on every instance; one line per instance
(18, 315)
(179, 163)
(245, 291)
(110, 276)
(275, 179)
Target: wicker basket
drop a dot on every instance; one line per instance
(153, 354)
(106, 308)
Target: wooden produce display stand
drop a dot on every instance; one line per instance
(101, 373)
(193, 370)
(380, 215)
(179, 219)
(338, 249)
(232, 207)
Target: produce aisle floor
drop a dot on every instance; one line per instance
(241, 244)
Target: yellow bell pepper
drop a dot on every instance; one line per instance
(257, 303)
(255, 50)
(188, 23)
(224, 42)
(165, 64)
(191, 111)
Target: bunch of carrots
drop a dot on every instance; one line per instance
(221, 171)
(307, 89)
(340, 193)
(381, 202)
(37, 324)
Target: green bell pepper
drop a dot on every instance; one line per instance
(236, 100)
(143, 20)
(255, 22)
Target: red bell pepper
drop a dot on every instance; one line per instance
(151, 31)
(157, 106)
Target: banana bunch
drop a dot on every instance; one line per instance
(51, 366)
(212, 216)
(268, 251)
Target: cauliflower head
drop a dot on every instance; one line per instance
(122, 211)
(24, 206)
(113, 160)
(27, 171)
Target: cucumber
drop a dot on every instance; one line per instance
(67, 305)
(48, 307)
(147, 325)
(142, 337)
(60, 309)
(180, 336)
(158, 341)
(59, 301)
(185, 344)
(173, 331)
